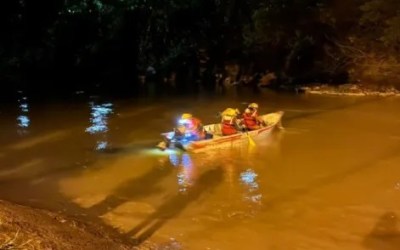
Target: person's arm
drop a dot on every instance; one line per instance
(180, 130)
(238, 124)
(261, 121)
(201, 126)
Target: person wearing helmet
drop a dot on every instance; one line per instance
(229, 121)
(250, 117)
(188, 128)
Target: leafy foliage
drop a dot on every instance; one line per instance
(381, 22)
(101, 40)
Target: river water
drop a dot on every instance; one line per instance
(329, 180)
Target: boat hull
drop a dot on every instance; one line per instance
(273, 120)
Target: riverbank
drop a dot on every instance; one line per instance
(351, 90)
(29, 228)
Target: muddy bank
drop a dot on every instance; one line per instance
(351, 90)
(28, 228)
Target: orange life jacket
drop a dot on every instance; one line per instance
(195, 127)
(250, 120)
(228, 126)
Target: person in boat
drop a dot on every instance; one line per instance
(251, 120)
(189, 128)
(230, 122)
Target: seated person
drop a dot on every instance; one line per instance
(251, 120)
(229, 121)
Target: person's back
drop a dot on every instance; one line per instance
(229, 122)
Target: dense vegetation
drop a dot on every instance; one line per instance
(76, 44)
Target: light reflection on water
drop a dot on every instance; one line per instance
(249, 180)
(186, 167)
(101, 145)
(174, 159)
(99, 122)
(23, 120)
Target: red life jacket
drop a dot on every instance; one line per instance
(250, 120)
(195, 128)
(228, 126)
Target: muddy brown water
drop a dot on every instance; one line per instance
(330, 180)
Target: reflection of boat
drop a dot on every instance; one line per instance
(218, 141)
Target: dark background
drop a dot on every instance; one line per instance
(53, 48)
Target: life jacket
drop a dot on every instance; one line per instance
(228, 125)
(195, 128)
(250, 120)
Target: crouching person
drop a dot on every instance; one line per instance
(189, 128)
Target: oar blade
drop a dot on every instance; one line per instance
(251, 141)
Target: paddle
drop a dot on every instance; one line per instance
(251, 141)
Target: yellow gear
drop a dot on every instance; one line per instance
(253, 105)
(186, 116)
(230, 112)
